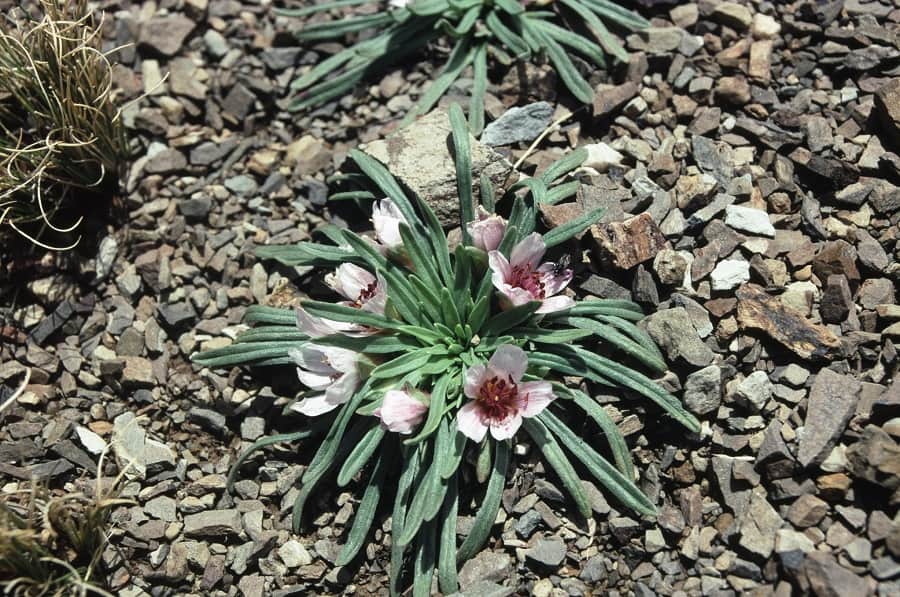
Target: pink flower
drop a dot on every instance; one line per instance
(487, 231)
(318, 327)
(521, 280)
(362, 291)
(499, 399)
(401, 412)
(386, 218)
(333, 371)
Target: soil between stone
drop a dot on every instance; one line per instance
(758, 139)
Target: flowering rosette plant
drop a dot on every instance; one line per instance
(430, 353)
(506, 30)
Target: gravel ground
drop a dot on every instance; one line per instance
(746, 158)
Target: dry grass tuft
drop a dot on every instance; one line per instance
(61, 134)
(51, 545)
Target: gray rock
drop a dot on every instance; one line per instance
(484, 588)
(518, 124)
(748, 219)
(209, 152)
(106, 256)
(238, 102)
(165, 162)
(279, 59)
(758, 527)
(162, 507)
(548, 552)
(241, 184)
(216, 44)
(294, 554)
(213, 523)
(208, 419)
(252, 428)
(832, 401)
(714, 158)
(729, 274)
(703, 390)
(165, 34)
(128, 439)
(754, 391)
(827, 578)
(486, 566)
(528, 523)
(177, 315)
(419, 157)
(195, 208)
(673, 331)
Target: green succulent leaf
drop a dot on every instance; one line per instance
(557, 459)
(620, 486)
(360, 455)
(365, 513)
(490, 505)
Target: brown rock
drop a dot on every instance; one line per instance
(609, 98)
(833, 487)
(626, 244)
(557, 215)
(720, 307)
(837, 257)
(760, 60)
(836, 299)
(807, 511)
(759, 311)
(876, 458)
(887, 106)
(733, 90)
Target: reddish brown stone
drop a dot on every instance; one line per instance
(627, 244)
(837, 257)
(557, 215)
(757, 310)
(720, 307)
(608, 98)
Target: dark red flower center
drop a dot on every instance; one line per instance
(497, 397)
(524, 276)
(365, 294)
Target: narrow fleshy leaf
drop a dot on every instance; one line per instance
(510, 318)
(462, 159)
(573, 228)
(621, 487)
(490, 505)
(360, 454)
(555, 457)
(410, 460)
(447, 576)
(435, 410)
(365, 513)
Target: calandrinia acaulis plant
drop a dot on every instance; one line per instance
(507, 30)
(429, 353)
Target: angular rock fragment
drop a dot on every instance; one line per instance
(673, 331)
(626, 244)
(887, 105)
(419, 157)
(760, 311)
(832, 401)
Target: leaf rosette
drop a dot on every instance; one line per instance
(431, 352)
(479, 32)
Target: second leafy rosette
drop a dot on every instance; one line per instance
(431, 352)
